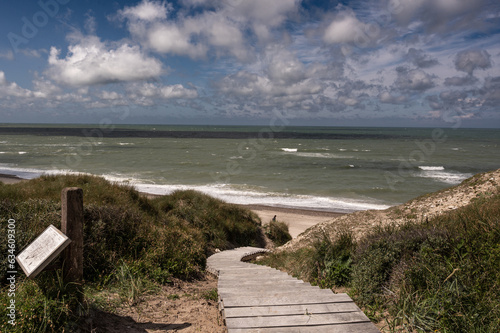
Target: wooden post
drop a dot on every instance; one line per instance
(72, 226)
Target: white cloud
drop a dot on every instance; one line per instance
(11, 89)
(90, 61)
(168, 38)
(151, 91)
(221, 30)
(284, 67)
(345, 28)
(177, 91)
(146, 11)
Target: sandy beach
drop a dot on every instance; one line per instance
(298, 220)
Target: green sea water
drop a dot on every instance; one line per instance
(337, 169)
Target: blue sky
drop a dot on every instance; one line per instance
(336, 63)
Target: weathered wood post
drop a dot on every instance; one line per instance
(72, 226)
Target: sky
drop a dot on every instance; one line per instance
(248, 62)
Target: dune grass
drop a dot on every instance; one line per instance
(277, 231)
(131, 244)
(437, 275)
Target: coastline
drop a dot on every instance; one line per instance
(10, 179)
(297, 219)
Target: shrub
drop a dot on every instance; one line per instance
(278, 232)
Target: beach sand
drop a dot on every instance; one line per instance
(298, 220)
(9, 179)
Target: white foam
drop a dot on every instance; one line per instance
(431, 168)
(448, 177)
(321, 155)
(22, 152)
(289, 150)
(230, 194)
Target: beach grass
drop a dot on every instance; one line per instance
(439, 274)
(132, 244)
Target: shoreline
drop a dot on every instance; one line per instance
(297, 219)
(10, 179)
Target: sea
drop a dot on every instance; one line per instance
(340, 169)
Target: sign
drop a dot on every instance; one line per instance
(36, 256)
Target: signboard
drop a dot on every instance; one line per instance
(36, 256)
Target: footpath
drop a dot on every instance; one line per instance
(254, 298)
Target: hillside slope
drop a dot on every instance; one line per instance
(419, 209)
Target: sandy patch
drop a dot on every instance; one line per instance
(177, 308)
(298, 220)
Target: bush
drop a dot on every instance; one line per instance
(333, 260)
(278, 232)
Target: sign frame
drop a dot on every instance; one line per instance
(51, 242)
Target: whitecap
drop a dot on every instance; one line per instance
(448, 177)
(431, 168)
(289, 150)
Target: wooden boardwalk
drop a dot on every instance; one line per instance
(255, 298)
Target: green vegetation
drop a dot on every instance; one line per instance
(132, 244)
(438, 275)
(277, 232)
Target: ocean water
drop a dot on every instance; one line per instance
(335, 169)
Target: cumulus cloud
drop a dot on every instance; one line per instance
(11, 89)
(420, 59)
(413, 80)
(90, 61)
(221, 30)
(470, 60)
(284, 67)
(344, 28)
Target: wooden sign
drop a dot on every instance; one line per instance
(36, 256)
